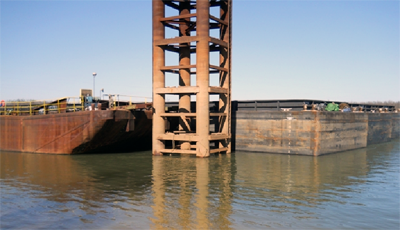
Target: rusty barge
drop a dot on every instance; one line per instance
(275, 126)
(302, 126)
(65, 129)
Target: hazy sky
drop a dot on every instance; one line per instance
(329, 50)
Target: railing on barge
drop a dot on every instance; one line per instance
(35, 107)
(67, 104)
(74, 104)
(302, 104)
(292, 104)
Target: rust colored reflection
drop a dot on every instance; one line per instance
(181, 196)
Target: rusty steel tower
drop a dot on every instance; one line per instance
(202, 42)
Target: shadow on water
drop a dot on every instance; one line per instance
(101, 173)
(77, 187)
(241, 190)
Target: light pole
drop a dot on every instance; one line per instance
(94, 94)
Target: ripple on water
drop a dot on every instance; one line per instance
(353, 189)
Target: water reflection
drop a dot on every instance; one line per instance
(294, 178)
(192, 193)
(243, 190)
(83, 188)
(257, 190)
(294, 187)
(99, 175)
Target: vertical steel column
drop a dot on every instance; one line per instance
(184, 74)
(202, 79)
(158, 76)
(181, 136)
(225, 77)
(184, 60)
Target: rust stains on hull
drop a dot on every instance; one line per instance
(72, 133)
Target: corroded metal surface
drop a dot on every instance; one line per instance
(202, 79)
(396, 126)
(70, 133)
(380, 127)
(342, 131)
(158, 76)
(277, 132)
(192, 24)
(311, 132)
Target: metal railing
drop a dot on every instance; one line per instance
(302, 104)
(25, 108)
(117, 98)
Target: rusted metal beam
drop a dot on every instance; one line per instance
(191, 137)
(202, 78)
(165, 68)
(219, 20)
(181, 16)
(216, 89)
(218, 42)
(180, 137)
(175, 40)
(158, 75)
(218, 68)
(225, 76)
(184, 61)
(178, 90)
(179, 151)
(197, 123)
(219, 150)
(186, 66)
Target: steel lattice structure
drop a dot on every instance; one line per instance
(191, 133)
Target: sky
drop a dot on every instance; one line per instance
(327, 50)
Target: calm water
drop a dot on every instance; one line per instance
(354, 189)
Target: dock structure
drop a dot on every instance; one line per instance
(190, 132)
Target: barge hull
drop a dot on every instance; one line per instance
(311, 132)
(72, 133)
